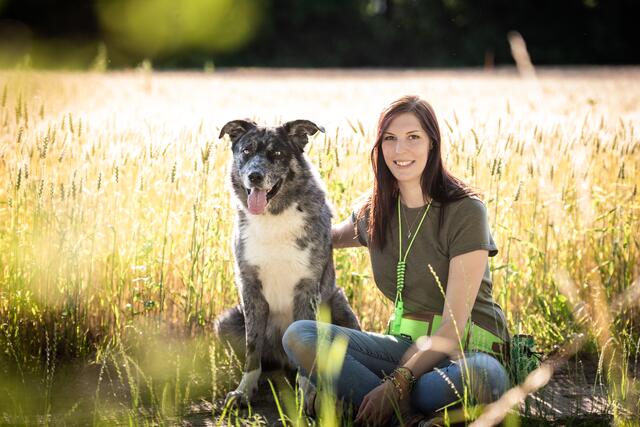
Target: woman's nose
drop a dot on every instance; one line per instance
(399, 146)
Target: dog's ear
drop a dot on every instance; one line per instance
(237, 128)
(299, 131)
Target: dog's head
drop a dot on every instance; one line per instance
(263, 158)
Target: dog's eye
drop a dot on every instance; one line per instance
(246, 151)
(277, 153)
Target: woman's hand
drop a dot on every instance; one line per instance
(377, 405)
(343, 235)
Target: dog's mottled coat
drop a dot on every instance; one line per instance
(283, 254)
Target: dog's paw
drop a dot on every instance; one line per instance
(237, 398)
(245, 390)
(240, 397)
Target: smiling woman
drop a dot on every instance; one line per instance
(429, 241)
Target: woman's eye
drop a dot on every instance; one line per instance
(414, 136)
(388, 138)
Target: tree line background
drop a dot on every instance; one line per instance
(324, 33)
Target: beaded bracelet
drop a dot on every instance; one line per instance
(406, 374)
(396, 385)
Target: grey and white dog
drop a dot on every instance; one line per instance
(282, 245)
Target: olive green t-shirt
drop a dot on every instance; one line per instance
(465, 228)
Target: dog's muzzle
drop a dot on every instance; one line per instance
(257, 198)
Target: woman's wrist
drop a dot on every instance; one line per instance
(400, 381)
(407, 375)
(395, 389)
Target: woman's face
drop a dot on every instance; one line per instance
(405, 147)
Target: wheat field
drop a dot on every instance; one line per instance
(116, 217)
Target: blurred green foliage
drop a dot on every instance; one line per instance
(328, 33)
(163, 27)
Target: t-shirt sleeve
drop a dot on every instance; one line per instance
(469, 229)
(360, 226)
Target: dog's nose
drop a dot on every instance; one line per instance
(255, 177)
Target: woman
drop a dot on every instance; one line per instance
(422, 217)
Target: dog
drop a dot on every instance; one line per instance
(282, 246)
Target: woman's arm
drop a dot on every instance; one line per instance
(343, 235)
(465, 276)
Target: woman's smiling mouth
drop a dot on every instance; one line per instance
(404, 163)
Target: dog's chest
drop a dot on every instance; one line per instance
(270, 245)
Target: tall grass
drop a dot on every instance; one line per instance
(115, 218)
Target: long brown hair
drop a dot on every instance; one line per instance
(436, 181)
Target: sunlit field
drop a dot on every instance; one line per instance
(116, 220)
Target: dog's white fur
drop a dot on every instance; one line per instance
(271, 246)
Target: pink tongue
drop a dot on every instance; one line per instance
(257, 201)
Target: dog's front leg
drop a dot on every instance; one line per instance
(306, 300)
(256, 314)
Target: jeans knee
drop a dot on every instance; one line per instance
(489, 379)
(299, 342)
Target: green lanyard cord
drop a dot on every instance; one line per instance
(401, 268)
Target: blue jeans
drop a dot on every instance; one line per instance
(370, 356)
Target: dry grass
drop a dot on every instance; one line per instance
(115, 214)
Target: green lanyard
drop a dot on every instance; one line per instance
(401, 268)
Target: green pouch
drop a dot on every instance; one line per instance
(475, 337)
(524, 357)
